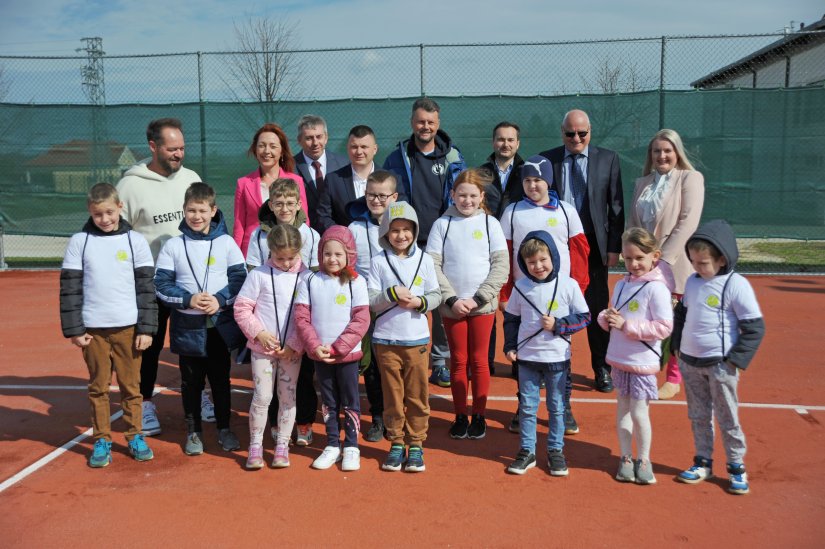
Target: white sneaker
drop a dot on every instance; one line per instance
(207, 408)
(151, 425)
(329, 457)
(352, 459)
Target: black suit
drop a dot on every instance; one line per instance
(341, 192)
(604, 193)
(498, 199)
(318, 204)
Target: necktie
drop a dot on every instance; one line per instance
(319, 177)
(579, 186)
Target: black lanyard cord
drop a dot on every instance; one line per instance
(192, 270)
(281, 338)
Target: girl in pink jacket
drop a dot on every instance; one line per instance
(638, 318)
(264, 311)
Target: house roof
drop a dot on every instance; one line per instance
(802, 39)
(78, 152)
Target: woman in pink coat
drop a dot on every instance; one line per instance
(668, 201)
(270, 147)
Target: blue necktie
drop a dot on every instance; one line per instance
(579, 186)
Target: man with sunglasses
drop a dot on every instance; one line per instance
(590, 178)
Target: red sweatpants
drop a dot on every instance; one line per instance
(469, 340)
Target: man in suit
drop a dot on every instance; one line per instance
(314, 162)
(504, 165)
(350, 182)
(590, 178)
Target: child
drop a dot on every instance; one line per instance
(541, 210)
(198, 276)
(638, 319)
(263, 310)
(471, 262)
(546, 308)
(718, 327)
(284, 208)
(108, 309)
(403, 287)
(331, 318)
(366, 213)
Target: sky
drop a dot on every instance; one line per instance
(54, 27)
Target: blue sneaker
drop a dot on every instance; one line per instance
(101, 454)
(395, 459)
(139, 449)
(415, 460)
(440, 376)
(702, 469)
(738, 479)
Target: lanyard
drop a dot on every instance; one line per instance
(282, 338)
(524, 341)
(206, 274)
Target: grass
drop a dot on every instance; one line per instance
(34, 262)
(795, 252)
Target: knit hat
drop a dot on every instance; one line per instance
(341, 234)
(396, 210)
(537, 166)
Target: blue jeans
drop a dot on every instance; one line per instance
(530, 375)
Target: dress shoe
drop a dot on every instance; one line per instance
(604, 383)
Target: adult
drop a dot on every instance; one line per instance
(270, 148)
(426, 165)
(350, 182)
(504, 165)
(590, 178)
(668, 201)
(152, 193)
(313, 163)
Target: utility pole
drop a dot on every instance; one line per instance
(94, 88)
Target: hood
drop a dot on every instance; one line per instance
(453, 211)
(267, 219)
(719, 233)
(396, 210)
(216, 228)
(141, 170)
(357, 209)
(661, 272)
(122, 228)
(343, 235)
(545, 237)
(443, 144)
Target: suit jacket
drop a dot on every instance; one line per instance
(317, 200)
(496, 198)
(604, 190)
(677, 221)
(341, 192)
(248, 202)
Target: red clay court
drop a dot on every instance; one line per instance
(465, 498)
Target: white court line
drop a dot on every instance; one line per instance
(54, 454)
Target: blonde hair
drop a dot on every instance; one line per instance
(102, 192)
(642, 239)
(682, 160)
(284, 187)
(284, 237)
(479, 179)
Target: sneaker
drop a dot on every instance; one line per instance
(352, 459)
(627, 470)
(459, 427)
(207, 408)
(440, 376)
(738, 479)
(644, 472)
(329, 457)
(376, 430)
(151, 425)
(101, 454)
(478, 427)
(570, 425)
(304, 437)
(281, 459)
(256, 457)
(668, 390)
(515, 426)
(525, 459)
(139, 449)
(702, 469)
(194, 445)
(556, 463)
(415, 460)
(228, 440)
(395, 458)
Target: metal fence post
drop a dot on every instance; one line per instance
(662, 85)
(3, 265)
(202, 112)
(421, 68)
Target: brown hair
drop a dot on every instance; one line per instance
(286, 162)
(102, 192)
(284, 187)
(531, 247)
(380, 176)
(641, 238)
(701, 245)
(199, 192)
(155, 128)
(284, 237)
(479, 179)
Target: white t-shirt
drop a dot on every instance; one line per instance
(366, 244)
(703, 331)
(331, 303)
(465, 248)
(109, 299)
(258, 251)
(258, 287)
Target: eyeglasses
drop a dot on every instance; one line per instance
(571, 135)
(281, 205)
(379, 197)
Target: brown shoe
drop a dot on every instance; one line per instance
(668, 390)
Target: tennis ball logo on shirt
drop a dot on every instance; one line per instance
(418, 280)
(552, 222)
(633, 306)
(552, 305)
(712, 301)
(340, 299)
(477, 234)
(210, 260)
(121, 255)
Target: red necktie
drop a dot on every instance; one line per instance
(319, 177)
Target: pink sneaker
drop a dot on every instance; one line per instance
(256, 457)
(281, 459)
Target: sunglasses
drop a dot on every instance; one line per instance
(571, 135)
